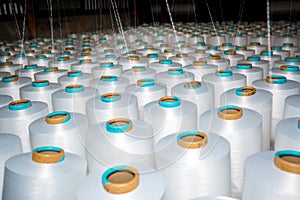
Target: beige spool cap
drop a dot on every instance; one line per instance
(164, 45)
(231, 52)
(199, 51)
(57, 118)
(288, 161)
(192, 140)
(69, 48)
(192, 84)
(230, 112)
(243, 48)
(6, 64)
(87, 50)
(183, 55)
(132, 52)
(133, 58)
(86, 61)
(48, 155)
(120, 181)
(199, 63)
(119, 124)
(168, 51)
(246, 91)
(215, 57)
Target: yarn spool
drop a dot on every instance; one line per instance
(17, 116)
(138, 72)
(222, 63)
(73, 98)
(11, 84)
(48, 171)
(164, 65)
(111, 105)
(170, 115)
(63, 62)
(193, 154)
(130, 61)
(4, 100)
(291, 60)
(256, 61)
(280, 169)
(252, 73)
(120, 140)
(232, 122)
(201, 68)
(254, 99)
(41, 90)
(85, 65)
(183, 59)
(40, 59)
(291, 72)
(269, 56)
(106, 69)
(75, 77)
(233, 57)
(51, 74)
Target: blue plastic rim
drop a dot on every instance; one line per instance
(111, 97)
(85, 61)
(289, 68)
(299, 124)
(287, 44)
(169, 102)
(110, 56)
(227, 44)
(224, 73)
(138, 68)
(109, 78)
(9, 79)
(240, 48)
(107, 50)
(175, 71)
(266, 53)
(244, 66)
(60, 113)
(30, 67)
(107, 65)
(110, 171)
(228, 107)
(51, 69)
(145, 82)
(19, 105)
(159, 41)
(213, 48)
(122, 125)
(279, 154)
(253, 58)
(60, 59)
(20, 55)
(277, 48)
(153, 55)
(50, 148)
(40, 83)
(276, 79)
(229, 52)
(74, 74)
(292, 59)
(41, 57)
(192, 85)
(74, 88)
(254, 43)
(166, 62)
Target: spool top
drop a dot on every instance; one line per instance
(111, 97)
(299, 124)
(133, 58)
(106, 65)
(287, 44)
(21, 55)
(288, 160)
(108, 78)
(153, 55)
(169, 102)
(230, 52)
(138, 68)
(241, 48)
(266, 53)
(181, 55)
(51, 69)
(245, 91)
(244, 66)
(254, 43)
(289, 68)
(85, 61)
(227, 44)
(59, 117)
(199, 63)
(213, 48)
(175, 71)
(10, 78)
(40, 83)
(22, 104)
(74, 73)
(277, 48)
(5, 64)
(253, 58)
(145, 82)
(276, 79)
(168, 50)
(110, 56)
(192, 85)
(166, 62)
(292, 59)
(120, 179)
(230, 112)
(223, 73)
(199, 51)
(214, 57)
(75, 88)
(62, 59)
(48, 155)
(40, 57)
(192, 139)
(4, 54)
(119, 125)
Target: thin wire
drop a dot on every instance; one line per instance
(269, 26)
(16, 23)
(60, 29)
(49, 3)
(171, 19)
(194, 9)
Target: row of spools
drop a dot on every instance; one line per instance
(153, 115)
